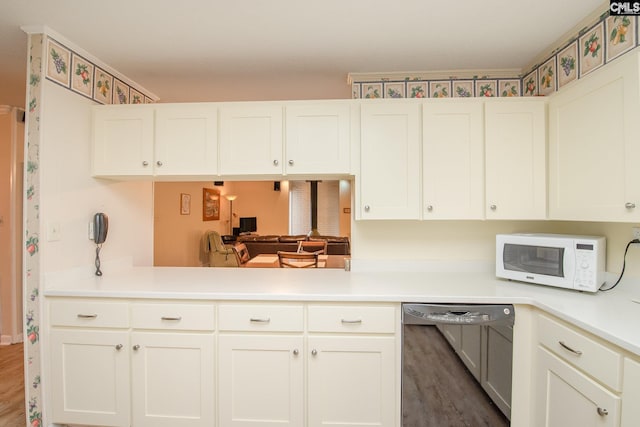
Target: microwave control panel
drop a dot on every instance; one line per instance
(586, 266)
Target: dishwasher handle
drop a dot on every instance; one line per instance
(453, 314)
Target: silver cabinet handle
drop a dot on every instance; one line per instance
(493, 207)
(171, 318)
(145, 163)
(119, 347)
(87, 316)
(256, 320)
(295, 352)
(314, 352)
(275, 163)
(566, 347)
(355, 321)
(159, 163)
(430, 208)
(630, 205)
(136, 347)
(367, 208)
(290, 162)
(602, 411)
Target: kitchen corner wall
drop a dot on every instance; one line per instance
(61, 196)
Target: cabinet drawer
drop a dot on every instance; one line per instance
(594, 358)
(261, 317)
(194, 317)
(89, 313)
(352, 318)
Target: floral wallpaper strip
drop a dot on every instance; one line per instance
(70, 70)
(605, 40)
(59, 59)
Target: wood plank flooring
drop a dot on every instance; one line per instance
(438, 391)
(12, 410)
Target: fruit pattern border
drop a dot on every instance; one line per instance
(581, 54)
(83, 77)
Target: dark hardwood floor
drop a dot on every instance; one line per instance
(12, 410)
(438, 390)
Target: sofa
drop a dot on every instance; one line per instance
(271, 244)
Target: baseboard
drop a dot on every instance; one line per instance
(8, 339)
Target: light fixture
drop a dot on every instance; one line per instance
(230, 198)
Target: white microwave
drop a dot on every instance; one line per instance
(564, 261)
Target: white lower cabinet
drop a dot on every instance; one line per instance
(342, 367)
(260, 380)
(90, 377)
(631, 393)
(577, 379)
(119, 364)
(566, 397)
(351, 381)
(172, 379)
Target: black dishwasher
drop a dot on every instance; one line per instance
(456, 364)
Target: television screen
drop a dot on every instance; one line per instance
(248, 225)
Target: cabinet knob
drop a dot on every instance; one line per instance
(145, 163)
(314, 352)
(159, 163)
(295, 352)
(430, 208)
(290, 162)
(493, 207)
(602, 412)
(275, 163)
(367, 208)
(119, 347)
(630, 205)
(136, 347)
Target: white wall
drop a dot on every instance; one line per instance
(70, 197)
(475, 240)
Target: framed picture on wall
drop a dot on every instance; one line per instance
(210, 204)
(185, 204)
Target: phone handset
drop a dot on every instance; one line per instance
(100, 229)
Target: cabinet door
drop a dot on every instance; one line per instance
(317, 138)
(251, 139)
(594, 146)
(453, 159)
(515, 159)
(389, 180)
(565, 397)
(186, 140)
(90, 377)
(260, 380)
(172, 379)
(351, 381)
(122, 140)
(631, 394)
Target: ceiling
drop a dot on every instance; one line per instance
(196, 50)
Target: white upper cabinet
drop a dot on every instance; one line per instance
(186, 141)
(453, 159)
(317, 137)
(515, 159)
(594, 146)
(170, 140)
(251, 136)
(389, 179)
(123, 140)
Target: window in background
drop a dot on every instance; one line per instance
(328, 207)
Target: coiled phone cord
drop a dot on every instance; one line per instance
(98, 272)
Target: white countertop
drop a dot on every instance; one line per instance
(612, 315)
